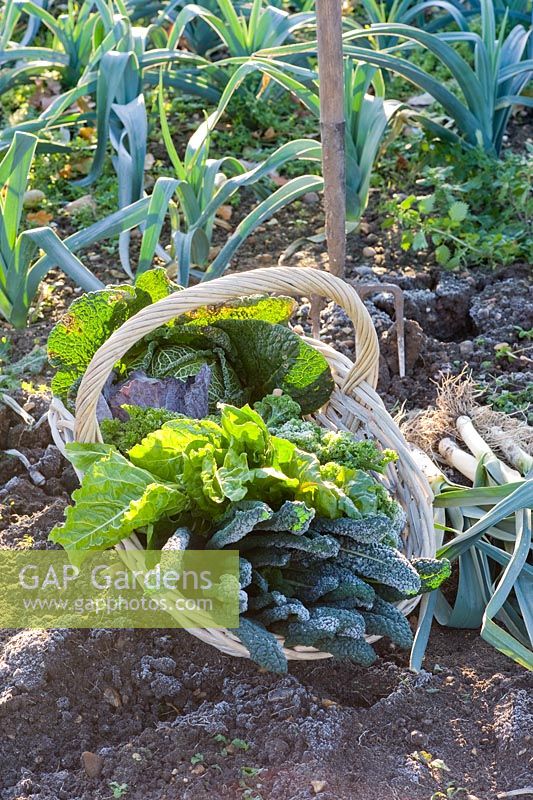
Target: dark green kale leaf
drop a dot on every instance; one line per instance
(432, 571)
(384, 619)
(262, 645)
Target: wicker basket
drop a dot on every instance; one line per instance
(354, 405)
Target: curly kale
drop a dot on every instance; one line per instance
(276, 409)
(283, 418)
(142, 421)
(302, 433)
(341, 447)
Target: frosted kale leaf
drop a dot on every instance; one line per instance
(315, 544)
(384, 619)
(348, 649)
(325, 623)
(239, 521)
(352, 591)
(293, 516)
(370, 528)
(382, 564)
(432, 571)
(281, 609)
(245, 573)
(179, 540)
(267, 557)
(262, 645)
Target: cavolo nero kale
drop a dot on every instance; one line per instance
(320, 563)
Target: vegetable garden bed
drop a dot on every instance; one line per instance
(438, 204)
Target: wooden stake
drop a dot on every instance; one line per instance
(331, 77)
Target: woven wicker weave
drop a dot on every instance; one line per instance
(354, 405)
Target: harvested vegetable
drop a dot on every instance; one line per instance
(247, 346)
(320, 544)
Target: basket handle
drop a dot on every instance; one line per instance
(276, 280)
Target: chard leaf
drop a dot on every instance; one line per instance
(83, 456)
(115, 499)
(161, 452)
(231, 479)
(247, 433)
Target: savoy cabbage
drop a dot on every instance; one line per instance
(247, 345)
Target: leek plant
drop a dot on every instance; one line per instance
(79, 37)
(490, 538)
(11, 21)
(116, 80)
(368, 116)
(22, 267)
(240, 30)
(490, 88)
(517, 10)
(413, 12)
(205, 184)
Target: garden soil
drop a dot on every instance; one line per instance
(158, 715)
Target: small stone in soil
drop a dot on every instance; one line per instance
(92, 763)
(417, 738)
